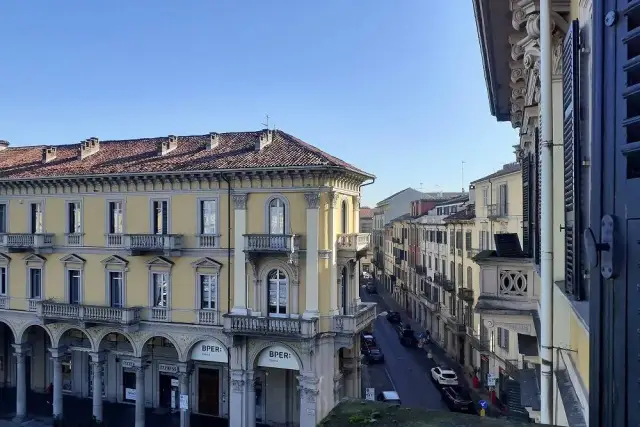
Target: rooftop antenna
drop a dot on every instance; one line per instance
(421, 186)
(463, 162)
(266, 125)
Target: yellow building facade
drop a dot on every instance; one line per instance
(215, 270)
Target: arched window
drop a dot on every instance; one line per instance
(278, 292)
(460, 275)
(276, 216)
(469, 278)
(344, 216)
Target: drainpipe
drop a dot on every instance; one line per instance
(546, 226)
(228, 391)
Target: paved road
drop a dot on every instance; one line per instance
(405, 370)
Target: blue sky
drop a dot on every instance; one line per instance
(394, 87)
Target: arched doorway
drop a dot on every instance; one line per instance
(164, 370)
(74, 362)
(115, 360)
(38, 372)
(7, 391)
(210, 362)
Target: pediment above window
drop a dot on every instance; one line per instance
(4, 259)
(159, 262)
(72, 259)
(35, 259)
(115, 260)
(207, 262)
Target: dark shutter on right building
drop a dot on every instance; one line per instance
(572, 158)
(537, 197)
(526, 205)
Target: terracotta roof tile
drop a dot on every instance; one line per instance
(236, 150)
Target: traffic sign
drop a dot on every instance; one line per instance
(483, 404)
(371, 393)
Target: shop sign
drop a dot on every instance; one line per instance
(278, 357)
(171, 369)
(130, 393)
(127, 364)
(209, 351)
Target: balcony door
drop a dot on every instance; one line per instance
(276, 217)
(344, 287)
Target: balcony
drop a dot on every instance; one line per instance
(452, 250)
(448, 285)
(465, 294)
(421, 270)
(356, 319)
(89, 315)
(398, 261)
(356, 244)
(271, 243)
(147, 244)
(210, 318)
(459, 252)
(508, 284)
(26, 242)
(395, 240)
(496, 211)
(479, 342)
(294, 328)
(438, 278)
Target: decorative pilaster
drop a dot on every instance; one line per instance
(237, 398)
(356, 213)
(251, 399)
(20, 352)
(56, 357)
(333, 289)
(140, 368)
(312, 269)
(309, 390)
(184, 376)
(97, 362)
(239, 260)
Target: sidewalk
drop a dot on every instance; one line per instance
(440, 356)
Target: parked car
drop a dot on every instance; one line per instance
(372, 288)
(367, 340)
(406, 335)
(373, 355)
(393, 317)
(391, 397)
(444, 376)
(458, 399)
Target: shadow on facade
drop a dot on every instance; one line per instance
(79, 412)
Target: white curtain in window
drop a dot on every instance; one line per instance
(278, 292)
(208, 291)
(276, 217)
(160, 289)
(208, 217)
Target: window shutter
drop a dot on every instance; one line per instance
(571, 126)
(72, 216)
(538, 198)
(526, 205)
(165, 217)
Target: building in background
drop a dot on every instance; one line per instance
(174, 272)
(366, 226)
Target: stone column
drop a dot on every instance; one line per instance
(312, 268)
(140, 367)
(20, 352)
(251, 400)
(239, 260)
(56, 357)
(184, 376)
(308, 400)
(333, 289)
(237, 401)
(97, 361)
(356, 214)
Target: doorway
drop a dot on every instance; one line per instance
(343, 289)
(168, 387)
(461, 350)
(209, 391)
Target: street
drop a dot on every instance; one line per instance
(405, 370)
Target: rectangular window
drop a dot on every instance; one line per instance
(208, 213)
(74, 217)
(37, 218)
(35, 283)
(503, 338)
(116, 288)
(485, 196)
(467, 238)
(116, 218)
(503, 199)
(3, 281)
(459, 239)
(208, 291)
(3, 217)
(160, 289)
(74, 286)
(161, 217)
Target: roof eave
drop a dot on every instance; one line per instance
(495, 59)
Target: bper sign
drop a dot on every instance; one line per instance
(209, 351)
(278, 357)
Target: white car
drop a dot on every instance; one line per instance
(444, 376)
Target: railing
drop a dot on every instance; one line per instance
(459, 251)
(511, 368)
(513, 283)
(465, 294)
(282, 326)
(74, 239)
(355, 319)
(398, 261)
(158, 314)
(87, 313)
(209, 317)
(286, 243)
(448, 285)
(478, 342)
(4, 302)
(207, 240)
(32, 304)
(354, 242)
(496, 211)
(35, 241)
(438, 278)
(145, 242)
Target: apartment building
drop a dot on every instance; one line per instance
(366, 226)
(537, 306)
(215, 273)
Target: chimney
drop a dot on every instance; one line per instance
(89, 147)
(4, 144)
(168, 146)
(214, 140)
(266, 137)
(49, 154)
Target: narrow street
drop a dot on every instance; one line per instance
(407, 371)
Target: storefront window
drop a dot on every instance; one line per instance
(90, 371)
(66, 376)
(128, 385)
